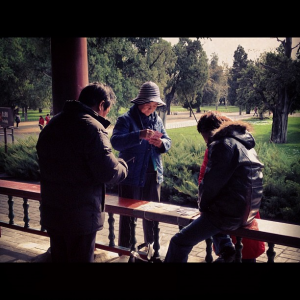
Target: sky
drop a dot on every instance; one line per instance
(225, 47)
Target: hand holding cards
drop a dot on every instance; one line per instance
(155, 135)
(155, 139)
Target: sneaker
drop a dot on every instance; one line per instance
(227, 255)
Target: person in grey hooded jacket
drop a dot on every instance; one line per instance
(76, 161)
(230, 192)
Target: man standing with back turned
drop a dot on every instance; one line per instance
(74, 170)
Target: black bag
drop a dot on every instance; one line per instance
(136, 258)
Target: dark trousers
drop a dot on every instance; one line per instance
(150, 192)
(72, 248)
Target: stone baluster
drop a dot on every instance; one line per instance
(271, 253)
(132, 240)
(111, 235)
(238, 250)
(156, 245)
(11, 210)
(208, 257)
(26, 218)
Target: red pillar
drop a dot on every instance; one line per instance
(69, 69)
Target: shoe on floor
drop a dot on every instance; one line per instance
(226, 256)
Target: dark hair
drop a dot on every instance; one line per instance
(96, 92)
(211, 121)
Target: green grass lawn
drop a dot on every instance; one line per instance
(261, 132)
(34, 115)
(262, 128)
(175, 108)
(221, 108)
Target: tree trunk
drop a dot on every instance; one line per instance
(248, 109)
(281, 110)
(169, 98)
(280, 118)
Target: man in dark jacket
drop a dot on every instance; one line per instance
(230, 192)
(76, 161)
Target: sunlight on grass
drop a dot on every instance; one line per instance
(261, 132)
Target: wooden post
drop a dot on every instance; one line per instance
(5, 139)
(69, 70)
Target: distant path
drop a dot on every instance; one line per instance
(181, 119)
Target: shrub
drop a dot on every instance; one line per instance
(181, 170)
(281, 195)
(20, 161)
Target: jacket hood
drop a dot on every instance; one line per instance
(235, 129)
(75, 107)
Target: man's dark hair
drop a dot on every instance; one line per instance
(211, 121)
(96, 92)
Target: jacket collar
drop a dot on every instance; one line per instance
(76, 106)
(238, 130)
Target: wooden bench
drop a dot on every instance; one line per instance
(264, 230)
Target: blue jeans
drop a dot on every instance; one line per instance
(220, 241)
(182, 243)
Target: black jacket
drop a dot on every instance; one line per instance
(231, 190)
(76, 161)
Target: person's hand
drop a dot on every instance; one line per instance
(157, 142)
(146, 134)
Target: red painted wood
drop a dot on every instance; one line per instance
(264, 230)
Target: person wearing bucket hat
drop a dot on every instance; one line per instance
(140, 137)
(149, 92)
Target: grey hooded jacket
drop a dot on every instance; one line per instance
(231, 190)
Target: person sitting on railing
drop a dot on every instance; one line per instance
(230, 192)
(251, 248)
(76, 161)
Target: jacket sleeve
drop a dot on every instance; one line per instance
(125, 135)
(103, 164)
(203, 166)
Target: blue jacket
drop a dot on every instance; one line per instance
(135, 151)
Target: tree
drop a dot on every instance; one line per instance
(240, 62)
(189, 74)
(125, 63)
(273, 84)
(214, 89)
(25, 73)
(287, 75)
